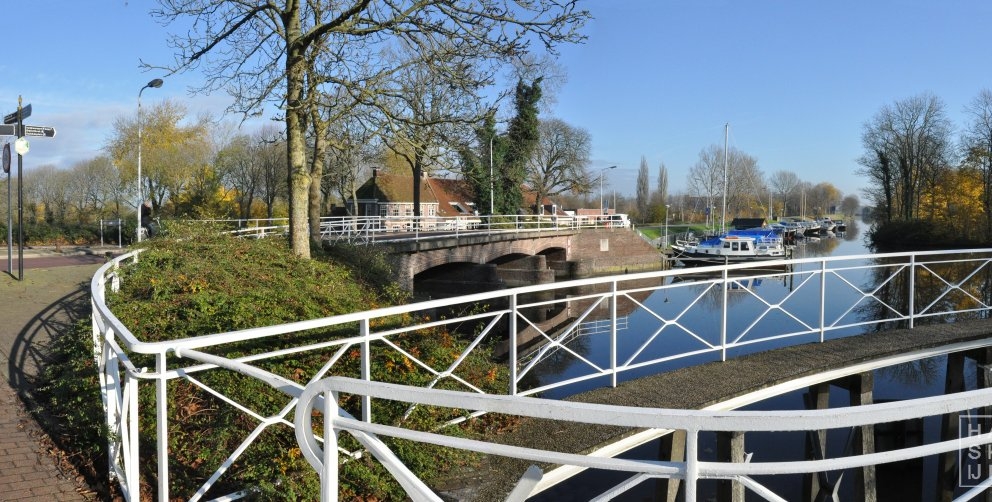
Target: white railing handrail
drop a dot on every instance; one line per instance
(115, 344)
(694, 422)
(139, 346)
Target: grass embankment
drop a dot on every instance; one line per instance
(182, 288)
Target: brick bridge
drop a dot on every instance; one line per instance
(520, 258)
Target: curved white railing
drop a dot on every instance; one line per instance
(819, 299)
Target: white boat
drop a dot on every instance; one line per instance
(826, 224)
(735, 246)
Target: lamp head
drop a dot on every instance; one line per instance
(155, 83)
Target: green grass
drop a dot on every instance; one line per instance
(183, 287)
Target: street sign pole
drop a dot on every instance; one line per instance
(10, 214)
(13, 125)
(20, 192)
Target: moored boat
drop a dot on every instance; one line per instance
(736, 246)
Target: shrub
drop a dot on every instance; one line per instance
(197, 282)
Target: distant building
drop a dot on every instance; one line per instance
(391, 195)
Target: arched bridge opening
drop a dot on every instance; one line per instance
(456, 279)
(515, 268)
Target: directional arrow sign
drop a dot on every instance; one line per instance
(12, 117)
(8, 130)
(48, 132)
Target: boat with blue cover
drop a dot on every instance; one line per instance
(735, 246)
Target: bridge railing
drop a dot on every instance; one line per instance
(371, 229)
(680, 317)
(319, 399)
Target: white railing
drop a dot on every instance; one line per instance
(372, 229)
(321, 397)
(820, 298)
(380, 229)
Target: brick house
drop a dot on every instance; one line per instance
(391, 196)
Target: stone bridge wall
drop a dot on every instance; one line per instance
(587, 252)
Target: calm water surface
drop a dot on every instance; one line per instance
(915, 480)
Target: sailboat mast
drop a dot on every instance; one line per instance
(726, 141)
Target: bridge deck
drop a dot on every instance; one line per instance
(710, 383)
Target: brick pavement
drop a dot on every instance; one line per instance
(51, 296)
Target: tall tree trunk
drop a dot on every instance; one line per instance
(317, 172)
(299, 173)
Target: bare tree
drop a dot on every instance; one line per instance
(270, 148)
(743, 181)
(258, 49)
(559, 164)
(104, 193)
(908, 149)
(977, 144)
(241, 171)
(785, 184)
(705, 178)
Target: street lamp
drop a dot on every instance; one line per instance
(602, 172)
(156, 83)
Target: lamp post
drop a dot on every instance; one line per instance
(602, 172)
(154, 83)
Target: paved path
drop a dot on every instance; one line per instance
(52, 295)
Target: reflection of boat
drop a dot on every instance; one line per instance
(737, 282)
(735, 246)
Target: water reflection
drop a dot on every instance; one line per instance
(960, 283)
(939, 285)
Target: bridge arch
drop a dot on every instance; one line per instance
(565, 254)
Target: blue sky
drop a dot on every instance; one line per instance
(796, 80)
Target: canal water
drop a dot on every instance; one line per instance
(903, 481)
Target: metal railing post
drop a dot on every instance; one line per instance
(723, 318)
(613, 334)
(691, 463)
(364, 330)
(912, 289)
(329, 474)
(512, 338)
(132, 457)
(823, 297)
(162, 426)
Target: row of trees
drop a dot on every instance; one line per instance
(342, 72)
(917, 171)
(202, 169)
(194, 169)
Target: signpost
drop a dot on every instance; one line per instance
(48, 132)
(19, 115)
(13, 125)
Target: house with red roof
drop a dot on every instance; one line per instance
(391, 196)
